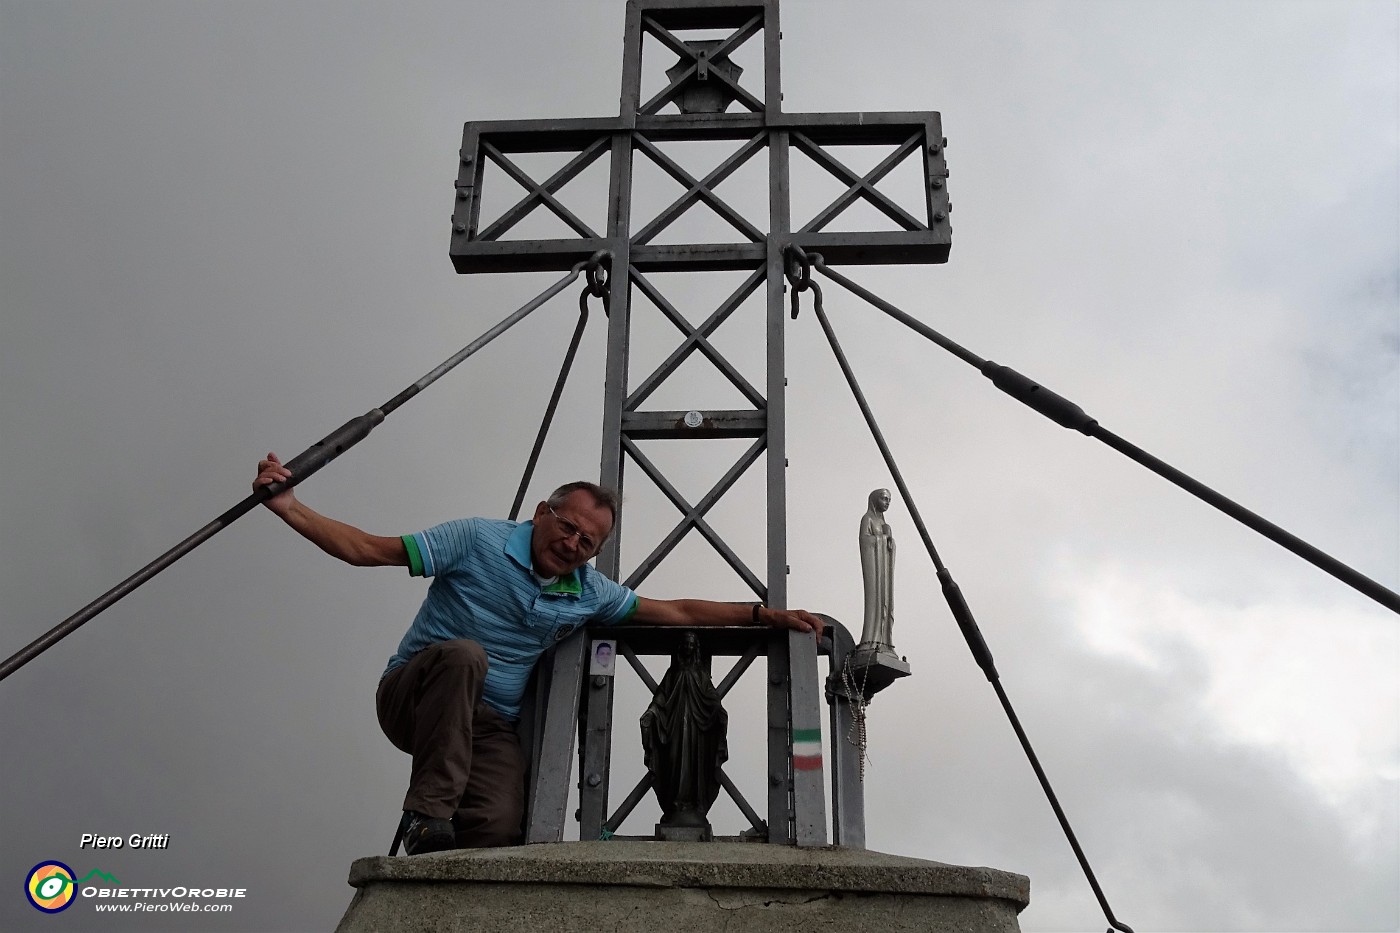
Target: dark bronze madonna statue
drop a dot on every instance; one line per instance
(683, 736)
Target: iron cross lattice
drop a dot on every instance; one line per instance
(703, 96)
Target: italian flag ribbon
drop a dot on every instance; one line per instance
(807, 749)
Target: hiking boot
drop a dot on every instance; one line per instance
(427, 834)
(476, 833)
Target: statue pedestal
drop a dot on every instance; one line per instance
(684, 832)
(875, 667)
(680, 887)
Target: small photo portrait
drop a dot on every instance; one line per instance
(604, 656)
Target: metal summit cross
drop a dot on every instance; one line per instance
(704, 96)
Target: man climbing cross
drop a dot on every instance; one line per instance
(502, 593)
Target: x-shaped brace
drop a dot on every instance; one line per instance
(699, 190)
(695, 339)
(684, 50)
(693, 516)
(542, 193)
(860, 186)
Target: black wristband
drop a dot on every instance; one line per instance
(756, 607)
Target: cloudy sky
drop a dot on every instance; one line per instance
(223, 230)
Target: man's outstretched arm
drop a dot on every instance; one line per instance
(708, 612)
(337, 539)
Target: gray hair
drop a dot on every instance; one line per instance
(602, 495)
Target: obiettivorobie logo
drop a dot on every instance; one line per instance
(51, 886)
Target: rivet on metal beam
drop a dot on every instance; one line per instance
(939, 217)
(460, 228)
(594, 779)
(937, 183)
(934, 148)
(461, 194)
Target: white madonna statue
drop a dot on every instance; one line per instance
(877, 570)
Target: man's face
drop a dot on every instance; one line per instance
(568, 537)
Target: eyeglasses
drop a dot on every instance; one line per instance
(570, 530)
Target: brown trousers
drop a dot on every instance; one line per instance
(467, 762)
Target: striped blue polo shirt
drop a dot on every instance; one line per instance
(484, 589)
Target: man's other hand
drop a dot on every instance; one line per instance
(271, 470)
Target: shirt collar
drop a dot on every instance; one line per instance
(518, 550)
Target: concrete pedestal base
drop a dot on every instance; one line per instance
(678, 887)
